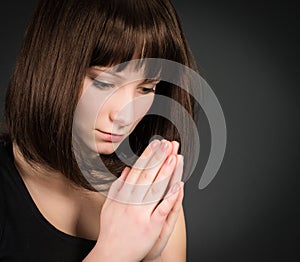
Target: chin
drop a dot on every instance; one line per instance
(107, 148)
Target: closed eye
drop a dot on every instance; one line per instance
(147, 90)
(102, 85)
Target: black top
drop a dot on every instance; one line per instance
(25, 235)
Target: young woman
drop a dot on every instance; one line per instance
(49, 210)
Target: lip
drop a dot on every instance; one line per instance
(109, 136)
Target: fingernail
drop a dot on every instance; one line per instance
(164, 145)
(176, 146)
(154, 144)
(170, 160)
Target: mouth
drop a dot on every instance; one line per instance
(110, 137)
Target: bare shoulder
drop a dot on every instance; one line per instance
(175, 250)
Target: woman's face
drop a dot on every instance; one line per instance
(111, 105)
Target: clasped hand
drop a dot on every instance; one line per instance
(142, 207)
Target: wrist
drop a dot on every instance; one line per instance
(102, 252)
(99, 253)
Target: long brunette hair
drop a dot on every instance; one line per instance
(64, 39)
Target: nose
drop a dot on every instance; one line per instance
(122, 107)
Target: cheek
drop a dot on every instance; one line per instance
(142, 105)
(132, 111)
(86, 113)
(88, 106)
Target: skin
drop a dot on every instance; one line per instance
(111, 102)
(141, 232)
(132, 219)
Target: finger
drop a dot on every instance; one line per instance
(153, 169)
(124, 173)
(142, 161)
(138, 181)
(158, 188)
(152, 155)
(172, 218)
(148, 175)
(117, 185)
(177, 175)
(162, 210)
(175, 145)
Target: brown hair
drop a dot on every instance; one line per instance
(64, 39)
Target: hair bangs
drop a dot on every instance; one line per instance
(135, 31)
(71, 36)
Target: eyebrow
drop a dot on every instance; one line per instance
(107, 71)
(144, 81)
(150, 81)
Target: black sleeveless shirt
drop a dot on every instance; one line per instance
(25, 235)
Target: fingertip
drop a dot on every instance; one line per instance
(175, 145)
(166, 147)
(124, 173)
(180, 160)
(154, 144)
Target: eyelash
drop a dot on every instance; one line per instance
(148, 90)
(102, 85)
(105, 86)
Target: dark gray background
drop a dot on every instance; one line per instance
(248, 53)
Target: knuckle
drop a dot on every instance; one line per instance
(154, 190)
(144, 176)
(163, 211)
